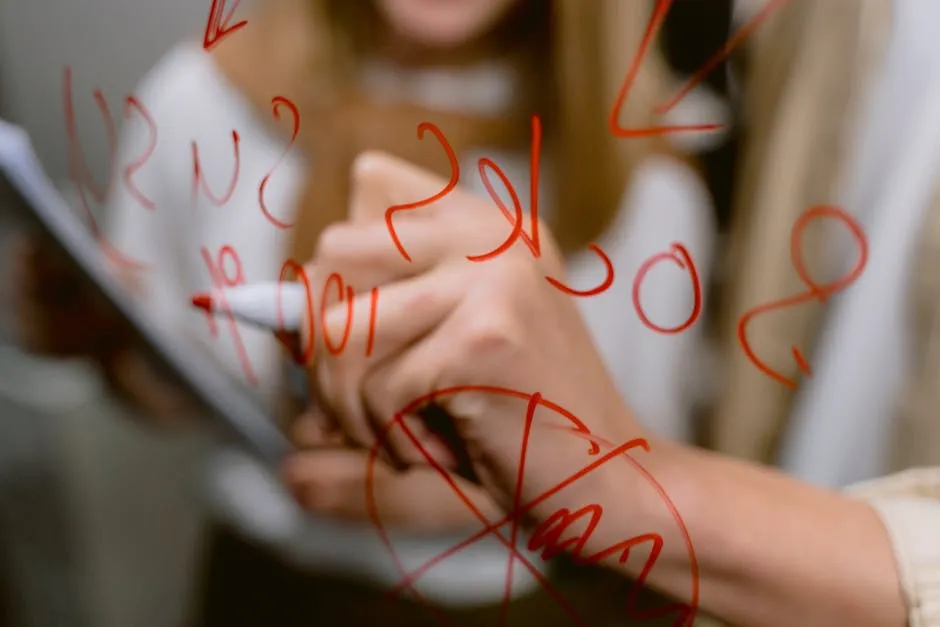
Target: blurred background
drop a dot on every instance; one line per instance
(80, 484)
(101, 521)
(98, 521)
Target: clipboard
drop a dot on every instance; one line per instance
(26, 192)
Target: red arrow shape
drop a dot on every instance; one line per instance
(217, 27)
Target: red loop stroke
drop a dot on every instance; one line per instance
(814, 290)
(276, 103)
(287, 339)
(345, 293)
(451, 184)
(199, 181)
(80, 174)
(516, 217)
(221, 279)
(679, 256)
(547, 536)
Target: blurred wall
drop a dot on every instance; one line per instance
(115, 502)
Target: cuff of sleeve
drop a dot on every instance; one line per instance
(913, 526)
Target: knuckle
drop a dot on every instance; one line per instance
(370, 166)
(332, 242)
(496, 332)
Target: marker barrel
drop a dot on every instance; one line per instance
(272, 306)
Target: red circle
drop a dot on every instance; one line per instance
(578, 429)
(239, 274)
(676, 250)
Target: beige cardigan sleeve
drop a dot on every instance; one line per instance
(909, 506)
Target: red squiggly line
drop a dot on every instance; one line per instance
(686, 613)
(199, 181)
(685, 263)
(349, 313)
(600, 289)
(217, 26)
(220, 279)
(652, 28)
(815, 291)
(129, 103)
(276, 102)
(286, 339)
(81, 177)
(454, 178)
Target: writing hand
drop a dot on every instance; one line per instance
(330, 479)
(444, 322)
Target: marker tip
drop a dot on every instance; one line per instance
(202, 301)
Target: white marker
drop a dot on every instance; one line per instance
(274, 306)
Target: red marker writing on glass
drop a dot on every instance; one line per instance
(274, 306)
(281, 307)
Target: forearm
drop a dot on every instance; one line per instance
(770, 551)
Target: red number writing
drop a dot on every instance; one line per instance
(79, 172)
(221, 279)
(652, 28)
(133, 104)
(515, 219)
(285, 338)
(451, 184)
(814, 291)
(532, 241)
(276, 102)
(217, 26)
(199, 182)
(336, 350)
(345, 292)
(679, 256)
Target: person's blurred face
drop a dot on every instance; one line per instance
(442, 23)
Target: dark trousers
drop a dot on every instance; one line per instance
(245, 586)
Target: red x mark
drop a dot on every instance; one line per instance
(548, 534)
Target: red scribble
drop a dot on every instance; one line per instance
(287, 339)
(548, 534)
(132, 103)
(815, 291)
(80, 174)
(373, 315)
(686, 263)
(652, 28)
(454, 178)
(276, 102)
(531, 241)
(217, 26)
(220, 280)
(198, 180)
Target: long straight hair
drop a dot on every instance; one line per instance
(809, 73)
(574, 55)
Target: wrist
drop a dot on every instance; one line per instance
(643, 531)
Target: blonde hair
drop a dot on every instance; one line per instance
(811, 65)
(309, 50)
